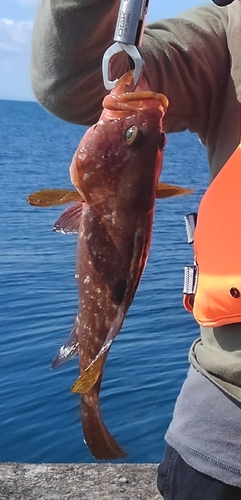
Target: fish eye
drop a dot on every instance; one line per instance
(133, 135)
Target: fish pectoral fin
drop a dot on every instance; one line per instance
(69, 221)
(164, 190)
(52, 197)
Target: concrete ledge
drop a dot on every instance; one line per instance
(77, 481)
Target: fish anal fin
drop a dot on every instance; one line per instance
(100, 442)
(69, 221)
(164, 190)
(68, 350)
(52, 197)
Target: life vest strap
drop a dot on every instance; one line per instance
(190, 223)
(190, 272)
(190, 279)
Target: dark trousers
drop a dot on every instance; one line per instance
(178, 481)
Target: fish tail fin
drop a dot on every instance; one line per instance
(100, 442)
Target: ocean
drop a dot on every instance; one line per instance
(39, 417)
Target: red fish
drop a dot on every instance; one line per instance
(115, 170)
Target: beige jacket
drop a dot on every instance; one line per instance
(194, 59)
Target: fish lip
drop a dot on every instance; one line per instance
(129, 100)
(144, 95)
(124, 96)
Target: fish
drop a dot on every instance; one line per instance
(115, 172)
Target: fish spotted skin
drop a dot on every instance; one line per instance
(115, 169)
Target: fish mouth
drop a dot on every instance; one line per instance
(131, 101)
(123, 99)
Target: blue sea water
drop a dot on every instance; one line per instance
(39, 417)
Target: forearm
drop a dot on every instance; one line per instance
(187, 59)
(69, 40)
(71, 36)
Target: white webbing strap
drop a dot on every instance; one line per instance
(190, 272)
(190, 279)
(190, 223)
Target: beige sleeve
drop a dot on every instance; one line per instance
(186, 58)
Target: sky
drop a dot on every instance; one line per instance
(16, 23)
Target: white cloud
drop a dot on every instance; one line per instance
(25, 3)
(15, 52)
(15, 36)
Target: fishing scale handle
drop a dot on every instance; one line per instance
(130, 21)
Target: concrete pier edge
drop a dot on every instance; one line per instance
(78, 481)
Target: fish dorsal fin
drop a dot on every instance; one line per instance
(217, 243)
(69, 221)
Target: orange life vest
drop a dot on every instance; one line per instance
(215, 294)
